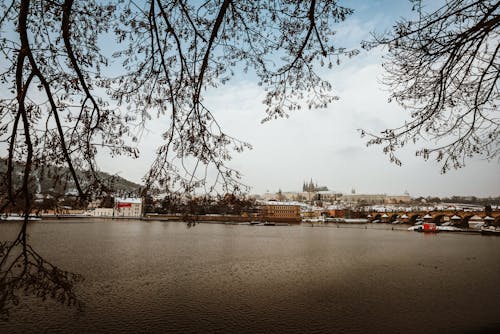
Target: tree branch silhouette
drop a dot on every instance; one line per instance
(444, 68)
(66, 102)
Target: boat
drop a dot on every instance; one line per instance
(490, 230)
(14, 217)
(430, 227)
(426, 227)
(449, 228)
(334, 220)
(354, 221)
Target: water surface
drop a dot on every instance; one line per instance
(162, 277)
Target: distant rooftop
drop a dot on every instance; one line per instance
(280, 203)
(128, 200)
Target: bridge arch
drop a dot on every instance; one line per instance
(413, 218)
(393, 217)
(438, 219)
(465, 220)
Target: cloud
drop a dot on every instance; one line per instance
(325, 144)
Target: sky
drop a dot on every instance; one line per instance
(325, 145)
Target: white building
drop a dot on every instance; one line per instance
(128, 207)
(102, 212)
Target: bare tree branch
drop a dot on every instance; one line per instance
(443, 68)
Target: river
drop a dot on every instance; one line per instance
(163, 277)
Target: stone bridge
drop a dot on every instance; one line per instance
(438, 217)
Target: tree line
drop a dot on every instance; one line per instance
(229, 204)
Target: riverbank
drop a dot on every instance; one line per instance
(239, 220)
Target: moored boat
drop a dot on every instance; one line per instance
(449, 228)
(490, 230)
(14, 217)
(355, 221)
(425, 227)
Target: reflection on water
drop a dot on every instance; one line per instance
(162, 277)
(25, 272)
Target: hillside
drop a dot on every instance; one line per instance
(57, 180)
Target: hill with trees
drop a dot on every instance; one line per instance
(50, 181)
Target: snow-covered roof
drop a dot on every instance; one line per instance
(404, 216)
(455, 217)
(335, 207)
(476, 218)
(128, 200)
(385, 215)
(489, 218)
(293, 203)
(427, 216)
(71, 192)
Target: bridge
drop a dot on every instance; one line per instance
(438, 217)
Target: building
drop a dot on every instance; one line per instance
(397, 199)
(102, 212)
(376, 199)
(279, 211)
(94, 204)
(310, 213)
(364, 198)
(128, 207)
(336, 213)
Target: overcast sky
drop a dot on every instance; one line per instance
(324, 144)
